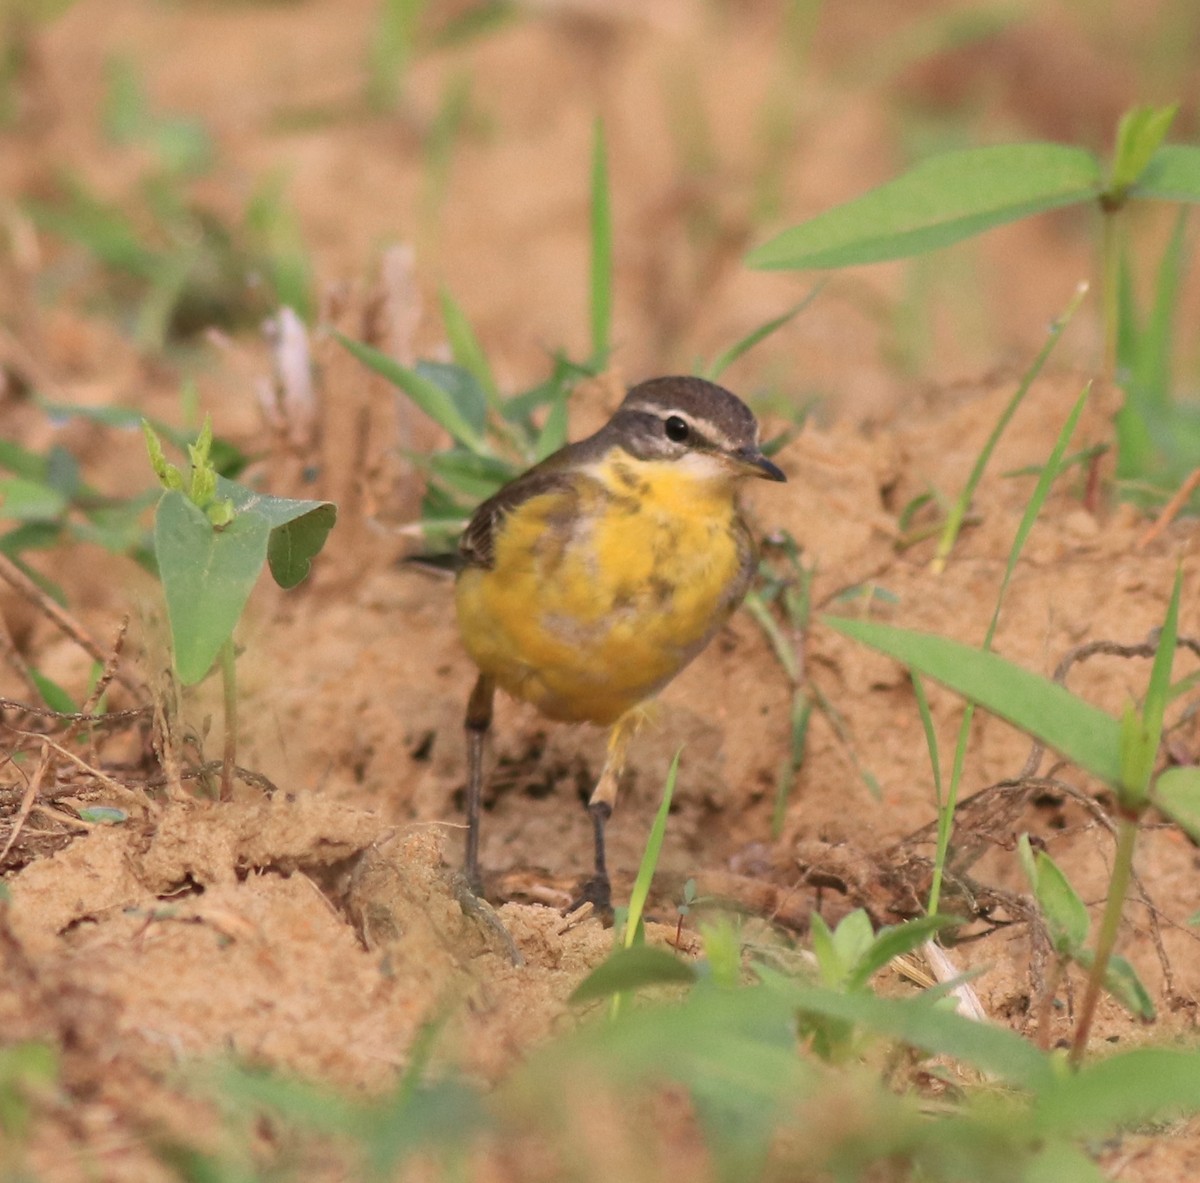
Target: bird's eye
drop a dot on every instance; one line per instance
(677, 429)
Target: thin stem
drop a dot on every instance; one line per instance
(1111, 296)
(229, 686)
(1110, 925)
(1046, 1002)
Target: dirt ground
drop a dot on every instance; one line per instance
(314, 929)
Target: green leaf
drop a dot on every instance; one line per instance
(53, 695)
(554, 430)
(463, 387)
(207, 576)
(298, 528)
(465, 347)
(104, 815)
(167, 473)
(1173, 175)
(292, 547)
(892, 942)
(940, 201)
(436, 402)
(1177, 794)
(915, 1021)
(654, 841)
(475, 477)
(1139, 135)
(829, 960)
(1126, 1089)
(1065, 913)
(1060, 1162)
(630, 969)
(602, 249)
(720, 364)
(1122, 982)
(1159, 686)
(1041, 708)
(1149, 353)
(30, 501)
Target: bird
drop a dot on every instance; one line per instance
(587, 583)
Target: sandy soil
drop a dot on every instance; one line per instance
(315, 929)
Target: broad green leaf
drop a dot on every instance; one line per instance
(852, 938)
(1172, 175)
(1139, 135)
(1129, 1088)
(940, 201)
(915, 1021)
(1177, 794)
(437, 403)
(298, 528)
(744, 1038)
(1081, 732)
(630, 969)
(463, 387)
(292, 547)
(207, 576)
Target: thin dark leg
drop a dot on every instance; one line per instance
(598, 889)
(477, 722)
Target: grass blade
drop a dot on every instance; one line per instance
(429, 396)
(958, 511)
(465, 347)
(748, 342)
(645, 875)
(602, 250)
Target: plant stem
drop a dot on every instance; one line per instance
(229, 686)
(1046, 1002)
(1110, 925)
(1111, 295)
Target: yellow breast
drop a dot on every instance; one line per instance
(599, 595)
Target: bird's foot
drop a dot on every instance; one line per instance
(470, 899)
(597, 891)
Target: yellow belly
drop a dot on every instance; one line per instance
(585, 614)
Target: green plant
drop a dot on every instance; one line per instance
(211, 540)
(495, 438)
(1120, 752)
(171, 265)
(959, 194)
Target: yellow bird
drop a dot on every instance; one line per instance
(590, 581)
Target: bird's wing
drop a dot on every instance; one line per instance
(477, 546)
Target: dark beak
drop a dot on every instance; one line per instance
(756, 464)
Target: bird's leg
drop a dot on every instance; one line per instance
(598, 891)
(477, 722)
